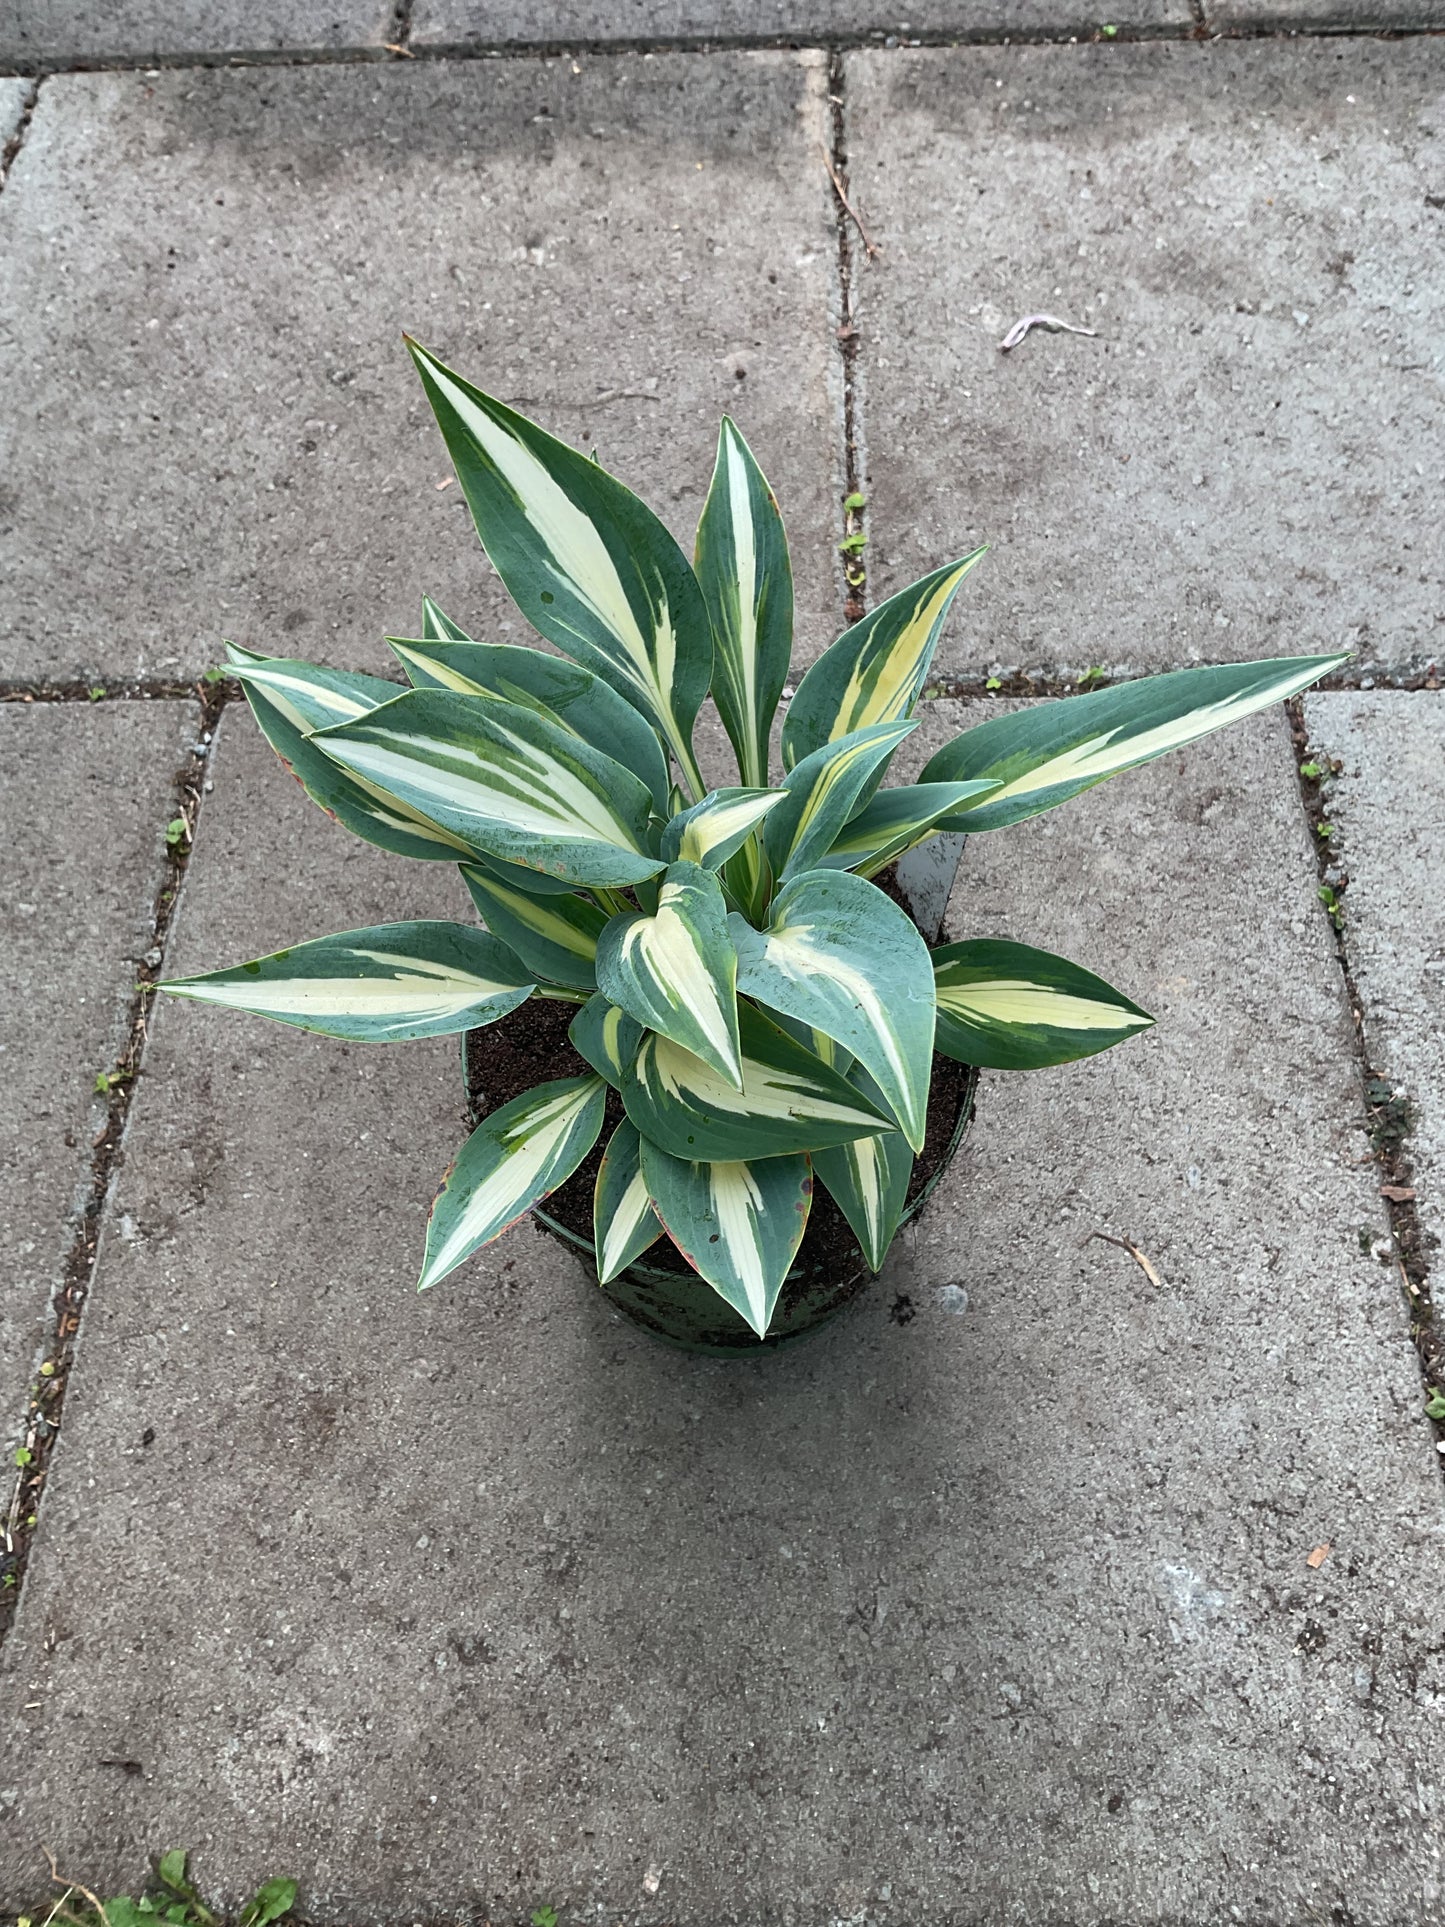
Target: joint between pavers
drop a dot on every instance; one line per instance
(1389, 1121)
(1063, 680)
(846, 220)
(41, 1425)
(135, 689)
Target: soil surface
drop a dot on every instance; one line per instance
(531, 1046)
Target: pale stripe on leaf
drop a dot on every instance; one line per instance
(747, 582)
(386, 983)
(506, 780)
(738, 1223)
(876, 670)
(623, 1220)
(1008, 1006)
(676, 971)
(840, 956)
(714, 829)
(790, 1100)
(513, 1160)
(1044, 755)
(589, 565)
(309, 695)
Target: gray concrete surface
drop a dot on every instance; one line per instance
(461, 23)
(1388, 803)
(55, 32)
(477, 1601)
(204, 293)
(13, 95)
(84, 798)
(1254, 234)
(1331, 16)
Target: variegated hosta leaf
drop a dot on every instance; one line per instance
(747, 582)
(624, 1223)
(676, 972)
(236, 655)
(874, 672)
(555, 936)
(790, 1100)
(1044, 755)
(712, 830)
(822, 793)
(506, 780)
(383, 984)
(893, 822)
(1007, 1006)
(437, 627)
(588, 564)
(739, 1224)
(839, 955)
(868, 1181)
(564, 691)
(606, 1037)
(309, 695)
(380, 819)
(514, 1159)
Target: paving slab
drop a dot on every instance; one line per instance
(205, 278)
(84, 797)
(513, 23)
(57, 32)
(1246, 460)
(1388, 803)
(991, 1603)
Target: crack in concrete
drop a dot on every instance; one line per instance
(43, 1415)
(1196, 29)
(1389, 1120)
(16, 141)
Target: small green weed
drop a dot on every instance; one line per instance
(1435, 1404)
(213, 676)
(178, 833)
(97, 692)
(108, 1081)
(854, 502)
(169, 1897)
(1088, 678)
(994, 682)
(853, 544)
(544, 1916)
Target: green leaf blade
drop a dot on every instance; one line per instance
(505, 781)
(746, 578)
(388, 983)
(790, 1100)
(841, 957)
(516, 1157)
(738, 1224)
(1008, 1006)
(716, 828)
(554, 935)
(605, 1037)
(623, 1220)
(589, 565)
(821, 793)
(568, 694)
(676, 971)
(894, 821)
(868, 1181)
(876, 670)
(1047, 754)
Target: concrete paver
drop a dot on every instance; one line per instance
(84, 797)
(204, 294)
(1254, 232)
(59, 31)
(461, 23)
(992, 1604)
(1388, 803)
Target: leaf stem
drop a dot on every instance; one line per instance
(560, 995)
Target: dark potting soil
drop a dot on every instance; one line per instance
(531, 1046)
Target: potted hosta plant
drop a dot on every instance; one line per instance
(699, 1021)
